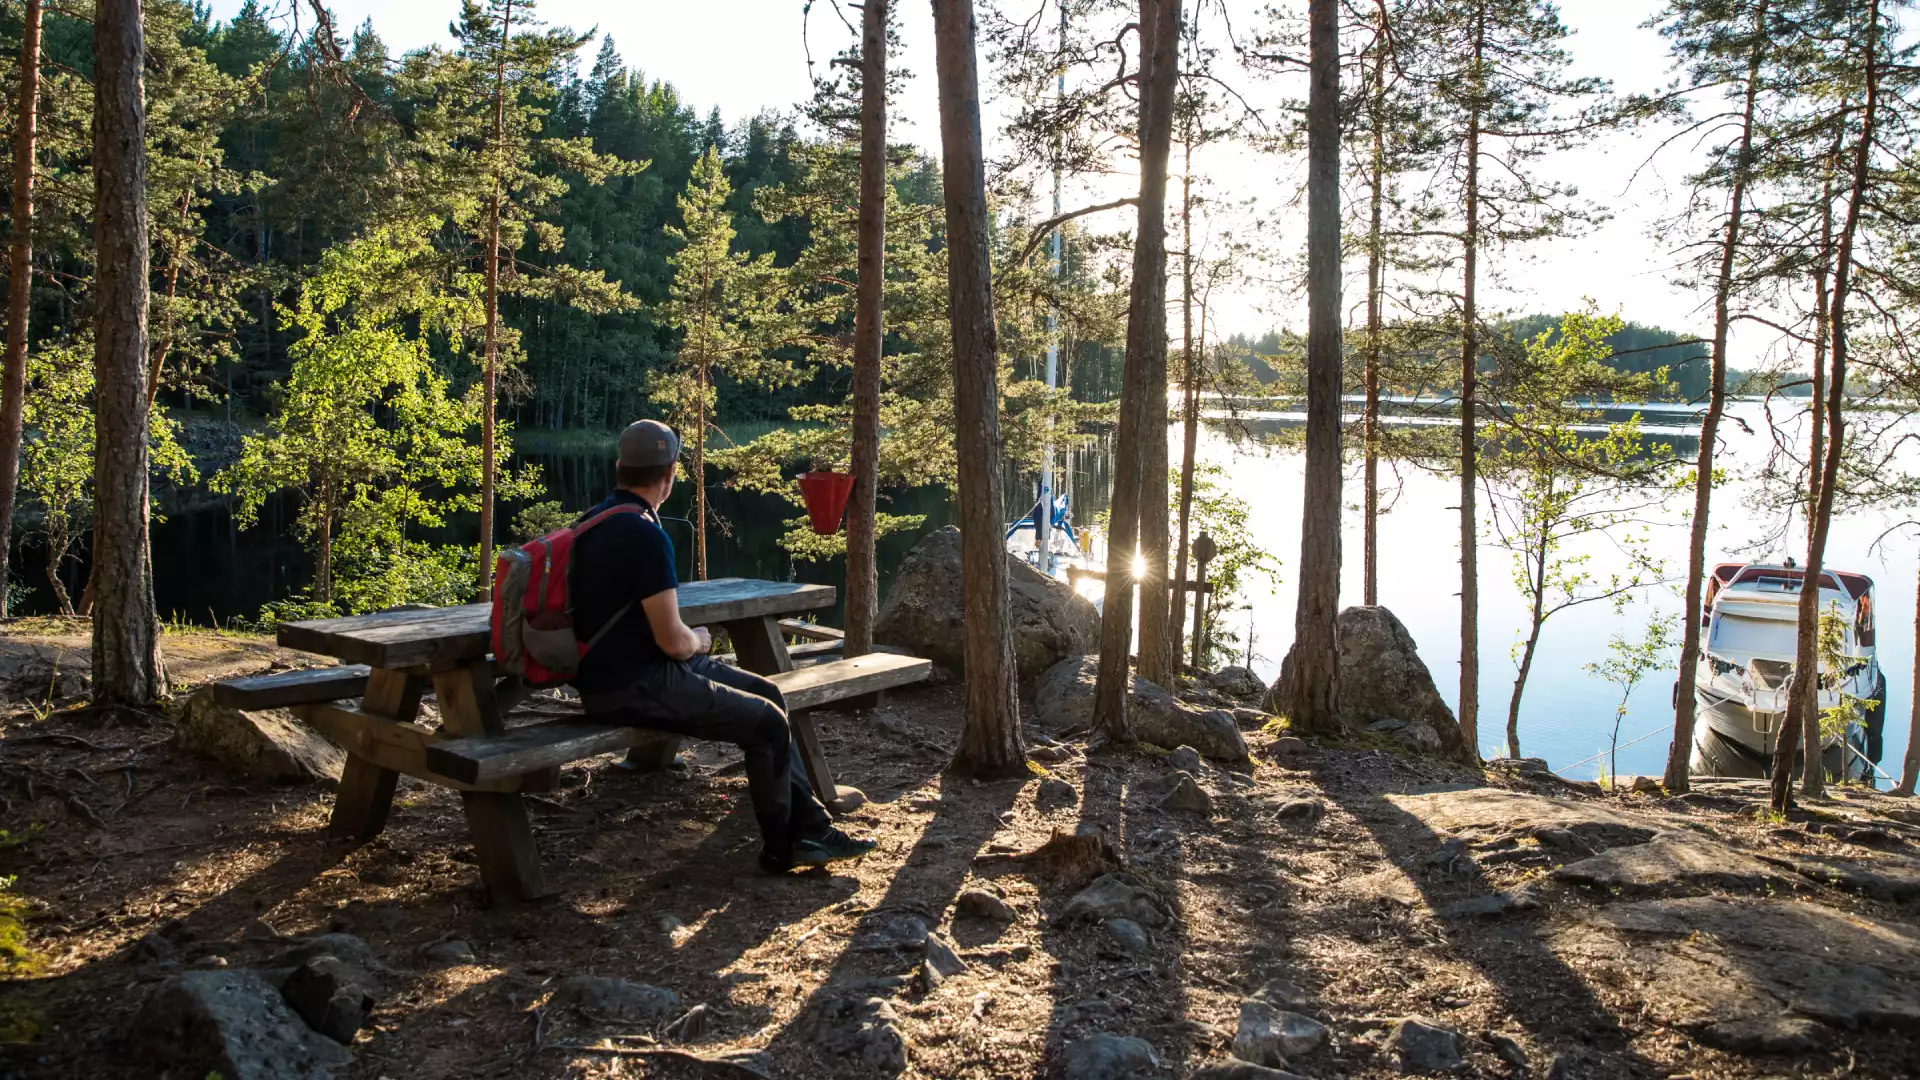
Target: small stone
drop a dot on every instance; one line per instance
(1269, 1036)
(1507, 1049)
(669, 925)
(1647, 785)
(1287, 747)
(1050, 755)
(1488, 906)
(865, 1029)
(942, 957)
(1118, 895)
(1132, 938)
(1386, 727)
(450, 952)
(1309, 809)
(982, 904)
(902, 932)
(1186, 759)
(1054, 792)
(1187, 795)
(1249, 719)
(692, 1024)
(1424, 1045)
(332, 996)
(615, 999)
(1108, 1057)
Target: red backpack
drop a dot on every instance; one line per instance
(532, 621)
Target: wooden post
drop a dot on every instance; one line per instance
(502, 836)
(361, 806)
(1204, 549)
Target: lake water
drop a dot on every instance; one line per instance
(204, 570)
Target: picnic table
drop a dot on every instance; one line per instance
(394, 657)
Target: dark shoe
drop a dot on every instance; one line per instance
(830, 846)
(636, 764)
(774, 864)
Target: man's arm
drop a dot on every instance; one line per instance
(674, 637)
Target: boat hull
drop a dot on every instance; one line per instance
(1727, 742)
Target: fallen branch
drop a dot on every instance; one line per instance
(722, 1063)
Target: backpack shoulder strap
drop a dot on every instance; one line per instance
(623, 508)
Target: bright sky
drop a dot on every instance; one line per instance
(748, 55)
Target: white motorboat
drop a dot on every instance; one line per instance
(1071, 547)
(1746, 670)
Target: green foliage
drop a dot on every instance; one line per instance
(56, 453)
(368, 433)
(1562, 488)
(1630, 660)
(1834, 661)
(538, 519)
(1225, 516)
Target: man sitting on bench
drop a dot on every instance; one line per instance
(651, 670)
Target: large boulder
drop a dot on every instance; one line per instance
(926, 607)
(268, 745)
(1383, 684)
(1063, 699)
(233, 1023)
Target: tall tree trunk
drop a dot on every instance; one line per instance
(1146, 335)
(1679, 753)
(869, 335)
(699, 470)
(1535, 617)
(1376, 258)
(1805, 663)
(1311, 674)
(490, 360)
(126, 634)
(1190, 433)
(1469, 712)
(1910, 767)
(13, 369)
(990, 740)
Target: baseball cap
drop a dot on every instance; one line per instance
(648, 442)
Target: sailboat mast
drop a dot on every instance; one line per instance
(1043, 522)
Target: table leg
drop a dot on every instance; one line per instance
(502, 836)
(759, 646)
(365, 798)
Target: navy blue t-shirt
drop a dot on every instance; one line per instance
(623, 560)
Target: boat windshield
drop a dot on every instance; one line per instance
(1740, 635)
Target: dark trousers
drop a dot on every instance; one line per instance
(702, 699)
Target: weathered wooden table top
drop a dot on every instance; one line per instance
(402, 639)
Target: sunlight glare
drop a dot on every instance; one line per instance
(1139, 566)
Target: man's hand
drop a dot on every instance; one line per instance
(674, 637)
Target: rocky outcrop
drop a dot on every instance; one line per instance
(925, 609)
(1064, 700)
(268, 745)
(1384, 685)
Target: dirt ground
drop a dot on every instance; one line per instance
(116, 837)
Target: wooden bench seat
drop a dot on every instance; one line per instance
(304, 686)
(535, 747)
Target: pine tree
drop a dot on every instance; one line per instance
(13, 368)
(489, 167)
(720, 303)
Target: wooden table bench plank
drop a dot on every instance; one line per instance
(542, 746)
(300, 686)
(436, 636)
